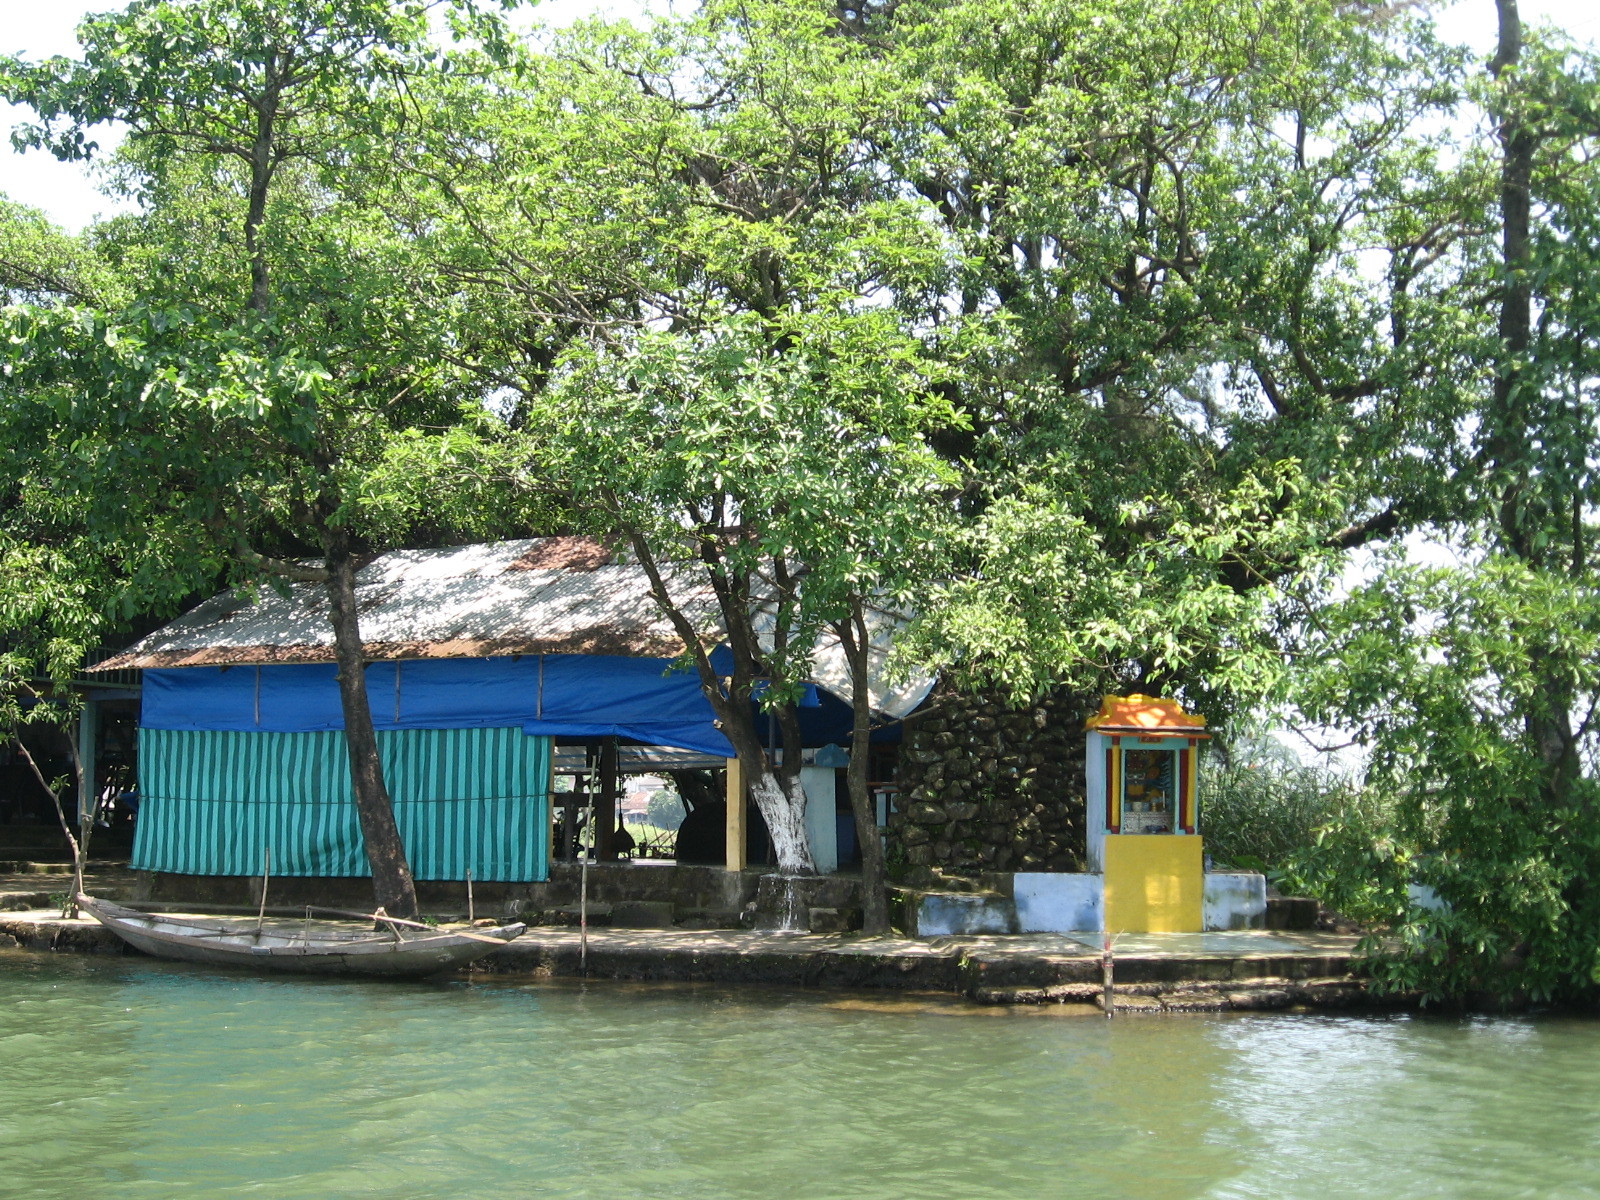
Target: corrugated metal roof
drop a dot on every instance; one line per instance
(536, 596)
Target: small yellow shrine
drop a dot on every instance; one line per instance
(1143, 758)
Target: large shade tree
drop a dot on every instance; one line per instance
(1473, 680)
(1171, 271)
(269, 332)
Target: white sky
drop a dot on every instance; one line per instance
(68, 194)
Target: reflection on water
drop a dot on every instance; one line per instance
(127, 1079)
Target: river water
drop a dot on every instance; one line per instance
(124, 1079)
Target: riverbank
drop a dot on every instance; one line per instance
(1241, 970)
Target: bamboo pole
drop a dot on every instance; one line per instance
(471, 917)
(583, 893)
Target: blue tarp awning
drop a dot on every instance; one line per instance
(553, 695)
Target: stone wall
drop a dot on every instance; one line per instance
(989, 788)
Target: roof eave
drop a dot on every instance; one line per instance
(594, 643)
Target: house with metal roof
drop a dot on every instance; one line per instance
(487, 666)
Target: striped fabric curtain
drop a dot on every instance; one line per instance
(212, 802)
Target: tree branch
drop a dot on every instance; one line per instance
(281, 567)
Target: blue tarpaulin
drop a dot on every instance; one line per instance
(553, 695)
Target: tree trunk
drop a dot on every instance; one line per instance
(777, 792)
(1514, 452)
(392, 886)
(874, 889)
(1512, 456)
(697, 787)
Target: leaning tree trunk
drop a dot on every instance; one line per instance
(874, 890)
(392, 885)
(777, 793)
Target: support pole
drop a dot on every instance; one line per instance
(266, 878)
(735, 828)
(583, 901)
(605, 833)
(88, 760)
(576, 804)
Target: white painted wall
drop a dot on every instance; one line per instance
(1055, 902)
(1234, 901)
(946, 914)
(1094, 791)
(1424, 897)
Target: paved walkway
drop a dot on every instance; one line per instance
(1240, 969)
(992, 964)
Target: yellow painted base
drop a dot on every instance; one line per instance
(1155, 883)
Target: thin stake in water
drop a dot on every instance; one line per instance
(1108, 998)
(266, 874)
(583, 894)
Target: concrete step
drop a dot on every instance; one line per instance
(710, 918)
(19, 866)
(569, 915)
(642, 914)
(16, 901)
(1292, 912)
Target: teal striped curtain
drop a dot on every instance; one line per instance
(212, 802)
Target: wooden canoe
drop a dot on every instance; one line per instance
(317, 947)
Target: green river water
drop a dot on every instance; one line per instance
(125, 1079)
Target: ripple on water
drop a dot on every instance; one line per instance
(128, 1080)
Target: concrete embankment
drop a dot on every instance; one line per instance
(1153, 973)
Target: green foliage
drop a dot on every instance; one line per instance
(1259, 815)
(1447, 671)
(172, 390)
(1117, 332)
(39, 263)
(1353, 861)
(666, 810)
(1096, 333)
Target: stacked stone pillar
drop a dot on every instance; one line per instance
(986, 787)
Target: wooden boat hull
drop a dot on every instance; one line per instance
(309, 948)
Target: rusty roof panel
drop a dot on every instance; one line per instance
(536, 596)
(570, 553)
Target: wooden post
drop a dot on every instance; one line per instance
(604, 837)
(1108, 997)
(550, 804)
(266, 878)
(735, 848)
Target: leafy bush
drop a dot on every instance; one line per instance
(1313, 832)
(1354, 863)
(1258, 816)
(1474, 690)
(666, 810)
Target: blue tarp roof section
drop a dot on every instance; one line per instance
(565, 695)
